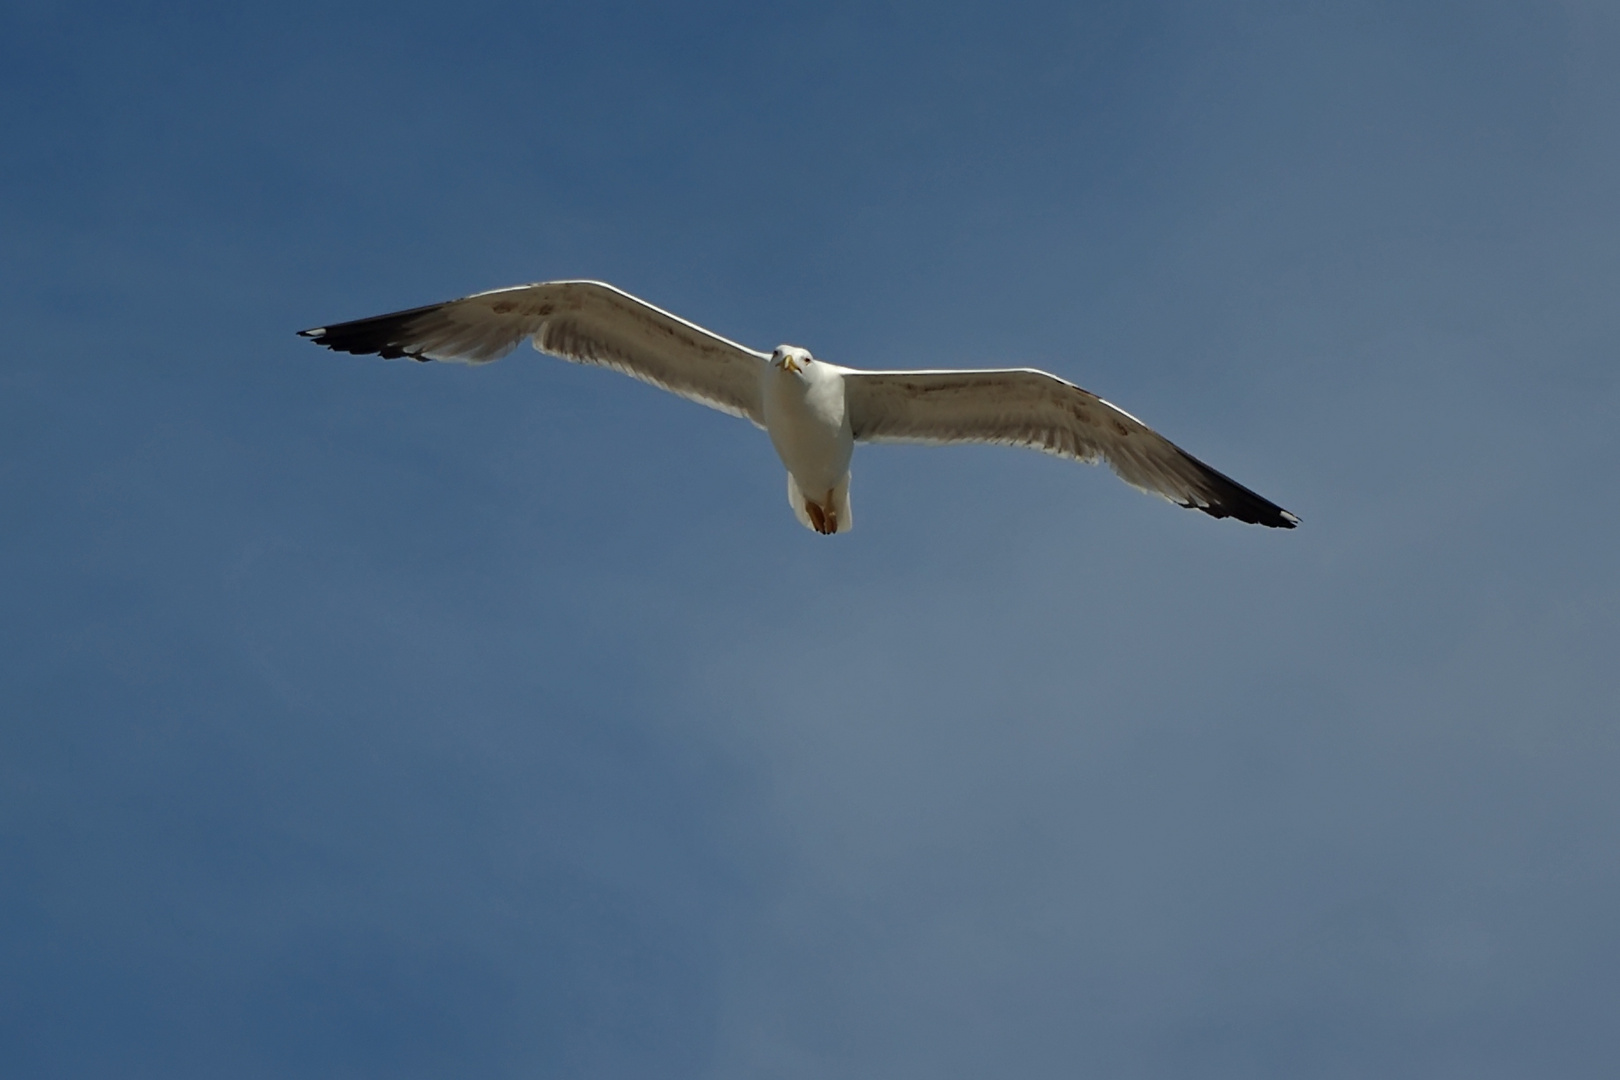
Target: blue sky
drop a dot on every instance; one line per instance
(370, 719)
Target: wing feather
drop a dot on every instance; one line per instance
(1029, 408)
(587, 322)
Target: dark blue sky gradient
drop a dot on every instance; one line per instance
(370, 719)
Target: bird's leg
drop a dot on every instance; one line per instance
(832, 513)
(817, 517)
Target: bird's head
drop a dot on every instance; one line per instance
(791, 358)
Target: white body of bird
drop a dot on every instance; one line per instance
(807, 419)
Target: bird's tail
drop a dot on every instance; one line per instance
(828, 514)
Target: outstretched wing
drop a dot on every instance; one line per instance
(1024, 407)
(588, 322)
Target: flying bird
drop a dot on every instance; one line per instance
(814, 411)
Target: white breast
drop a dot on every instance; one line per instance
(808, 424)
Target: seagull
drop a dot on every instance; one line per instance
(814, 411)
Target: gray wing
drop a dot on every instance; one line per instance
(588, 322)
(1024, 407)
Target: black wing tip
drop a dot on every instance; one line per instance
(380, 335)
(1243, 505)
(1224, 497)
(1272, 517)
